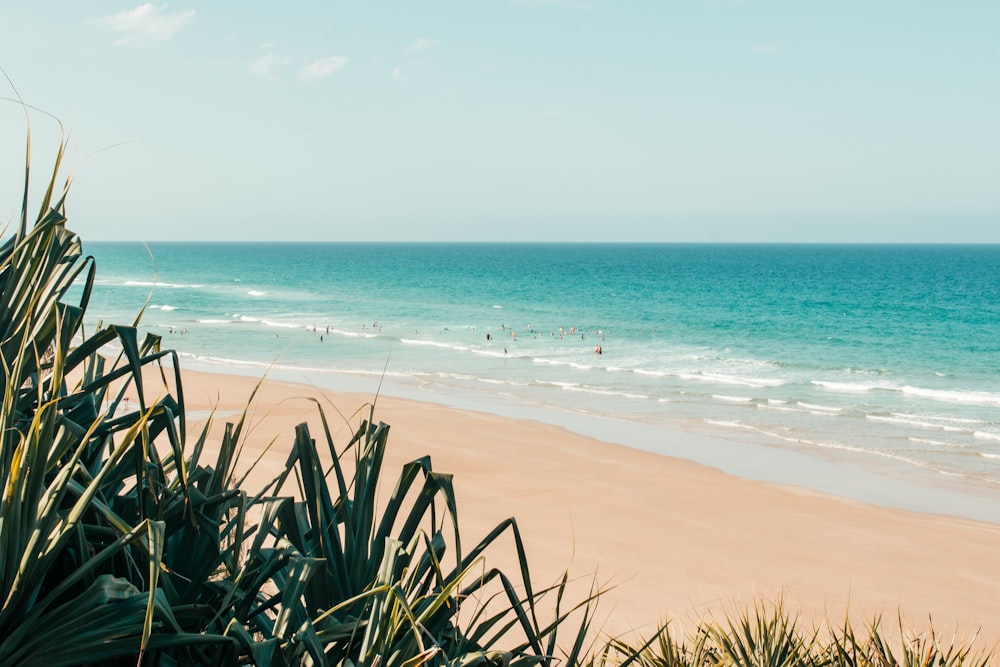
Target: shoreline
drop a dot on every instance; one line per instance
(678, 539)
(847, 475)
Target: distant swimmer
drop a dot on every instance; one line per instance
(598, 349)
(505, 352)
(488, 336)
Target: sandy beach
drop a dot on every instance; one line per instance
(676, 540)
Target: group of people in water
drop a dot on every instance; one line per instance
(598, 349)
(563, 333)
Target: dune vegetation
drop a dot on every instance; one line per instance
(125, 538)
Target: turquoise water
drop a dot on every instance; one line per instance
(883, 359)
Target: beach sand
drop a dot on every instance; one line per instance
(675, 539)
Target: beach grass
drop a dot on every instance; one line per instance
(768, 635)
(122, 539)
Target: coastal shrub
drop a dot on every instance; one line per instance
(93, 515)
(122, 538)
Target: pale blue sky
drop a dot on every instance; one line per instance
(514, 120)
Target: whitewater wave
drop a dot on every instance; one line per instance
(820, 408)
(733, 399)
(150, 283)
(297, 368)
(434, 343)
(281, 325)
(720, 378)
(913, 420)
(353, 334)
(556, 383)
(941, 395)
(955, 396)
(854, 387)
(784, 407)
(931, 441)
(728, 423)
(598, 391)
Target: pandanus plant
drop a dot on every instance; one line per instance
(88, 498)
(122, 540)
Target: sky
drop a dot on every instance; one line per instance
(510, 120)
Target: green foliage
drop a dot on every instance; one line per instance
(88, 500)
(118, 539)
(770, 637)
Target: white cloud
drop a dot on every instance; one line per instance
(421, 44)
(265, 65)
(145, 23)
(413, 60)
(321, 68)
(767, 49)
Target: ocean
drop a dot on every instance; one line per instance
(869, 371)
